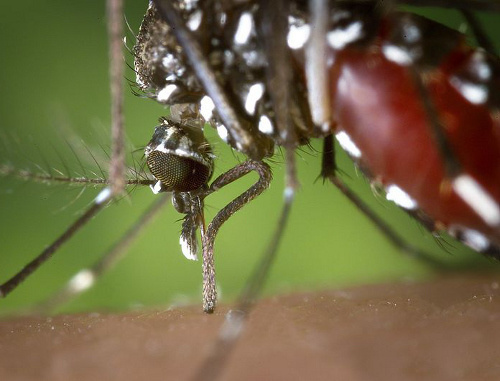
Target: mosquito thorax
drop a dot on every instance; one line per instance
(179, 157)
(162, 71)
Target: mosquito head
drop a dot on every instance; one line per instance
(179, 157)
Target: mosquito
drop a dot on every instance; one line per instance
(291, 176)
(83, 115)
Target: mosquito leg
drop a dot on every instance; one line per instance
(481, 37)
(101, 200)
(456, 178)
(231, 330)
(415, 64)
(328, 171)
(274, 28)
(86, 278)
(265, 177)
(115, 33)
(317, 67)
(452, 165)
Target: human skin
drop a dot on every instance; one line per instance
(444, 329)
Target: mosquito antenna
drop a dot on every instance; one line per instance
(116, 73)
(85, 278)
(44, 178)
(8, 170)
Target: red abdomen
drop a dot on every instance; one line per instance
(376, 103)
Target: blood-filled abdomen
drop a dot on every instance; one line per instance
(378, 108)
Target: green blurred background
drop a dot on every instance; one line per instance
(54, 81)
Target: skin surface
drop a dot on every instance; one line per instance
(446, 329)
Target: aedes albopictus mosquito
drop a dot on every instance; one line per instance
(82, 114)
(309, 236)
(323, 211)
(43, 102)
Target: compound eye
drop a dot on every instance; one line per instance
(177, 173)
